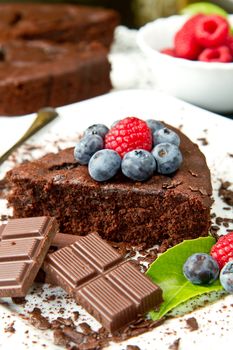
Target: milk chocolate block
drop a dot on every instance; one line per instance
(111, 289)
(24, 244)
(36, 74)
(57, 23)
(163, 210)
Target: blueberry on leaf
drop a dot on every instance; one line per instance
(138, 165)
(104, 164)
(168, 158)
(226, 277)
(201, 268)
(86, 147)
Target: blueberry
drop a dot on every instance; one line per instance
(154, 125)
(201, 268)
(165, 135)
(168, 158)
(226, 277)
(104, 165)
(138, 165)
(96, 129)
(86, 147)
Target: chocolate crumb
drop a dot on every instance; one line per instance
(203, 140)
(225, 193)
(192, 324)
(214, 229)
(39, 321)
(19, 300)
(175, 345)
(85, 328)
(10, 328)
(75, 315)
(193, 174)
(51, 297)
(59, 338)
(73, 335)
(132, 347)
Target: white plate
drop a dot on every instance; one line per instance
(215, 320)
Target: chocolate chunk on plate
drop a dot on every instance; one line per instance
(109, 288)
(24, 244)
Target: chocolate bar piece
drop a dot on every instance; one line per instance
(24, 244)
(111, 289)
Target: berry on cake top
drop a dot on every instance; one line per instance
(204, 38)
(137, 148)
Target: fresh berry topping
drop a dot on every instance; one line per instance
(86, 147)
(129, 134)
(168, 158)
(96, 129)
(104, 164)
(165, 135)
(154, 125)
(226, 277)
(222, 251)
(201, 268)
(169, 52)
(211, 31)
(216, 54)
(138, 165)
(186, 45)
(229, 43)
(115, 123)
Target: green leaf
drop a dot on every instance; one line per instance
(166, 271)
(203, 7)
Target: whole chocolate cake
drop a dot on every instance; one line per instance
(163, 209)
(35, 74)
(57, 23)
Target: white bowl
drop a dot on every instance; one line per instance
(208, 85)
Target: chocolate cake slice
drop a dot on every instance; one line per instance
(36, 74)
(163, 210)
(57, 23)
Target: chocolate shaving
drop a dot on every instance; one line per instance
(75, 315)
(203, 140)
(175, 345)
(73, 335)
(192, 324)
(19, 300)
(214, 229)
(225, 193)
(85, 328)
(39, 321)
(171, 185)
(193, 174)
(195, 189)
(10, 328)
(132, 347)
(59, 338)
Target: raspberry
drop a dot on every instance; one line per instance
(216, 54)
(229, 43)
(129, 134)
(186, 45)
(169, 52)
(222, 251)
(212, 31)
